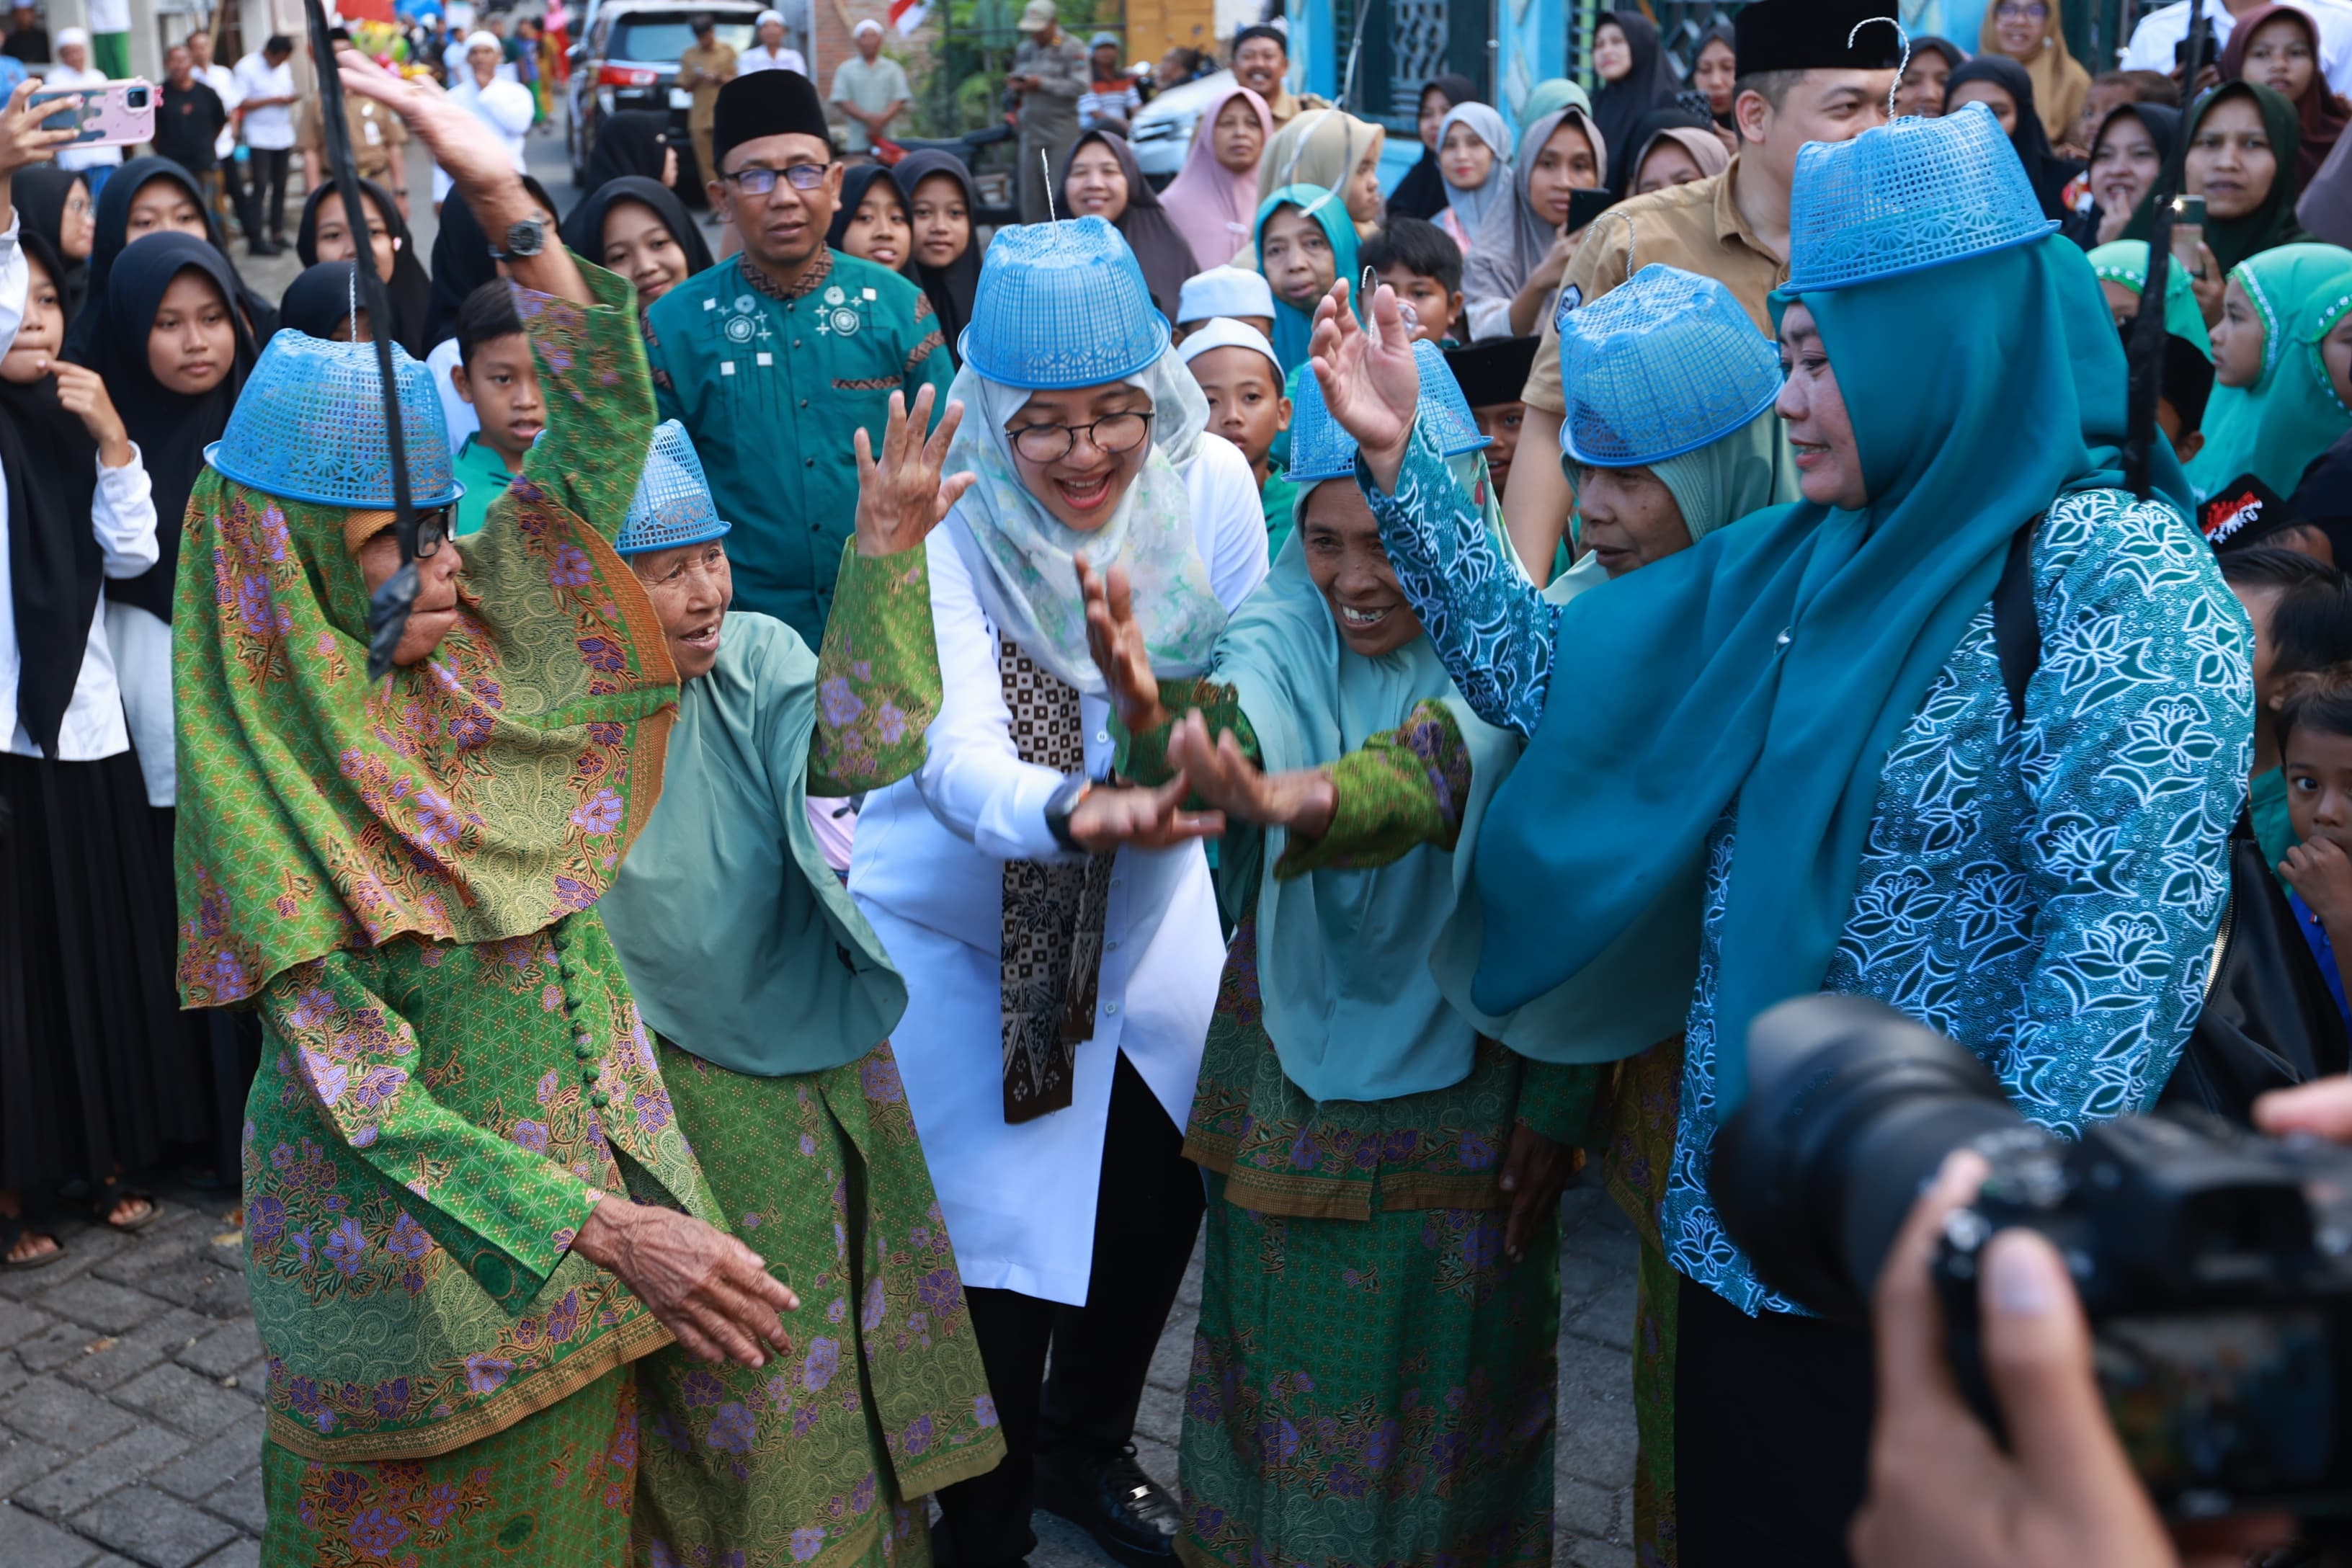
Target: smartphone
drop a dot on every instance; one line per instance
(116, 115)
(1583, 207)
(2188, 232)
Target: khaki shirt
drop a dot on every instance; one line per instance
(706, 68)
(1287, 106)
(1696, 228)
(377, 135)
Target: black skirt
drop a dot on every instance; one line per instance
(95, 1069)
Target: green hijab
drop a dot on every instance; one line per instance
(1292, 326)
(2125, 262)
(1772, 666)
(2271, 222)
(787, 978)
(2273, 428)
(1550, 96)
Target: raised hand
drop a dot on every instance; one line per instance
(902, 497)
(1301, 800)
(1369, 379)
(1148, 818)
(1115, 639)
(22, 139)
(704, 1286)
(83, 393)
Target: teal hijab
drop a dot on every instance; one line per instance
(2125, 262)
(1292, 326)
(1772, 665)
(2273, 428)
(1550, 96)
(787, 978)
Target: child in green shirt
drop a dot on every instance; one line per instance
(494, 373)
(1249, 406)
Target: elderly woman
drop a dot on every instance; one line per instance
(1810, 708)
(468, 1204)
(769, 1015)
(1065, 930)
(1375, 1153)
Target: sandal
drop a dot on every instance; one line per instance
(12, 1231)
(100, 1201)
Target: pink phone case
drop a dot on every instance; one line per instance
(117, 115)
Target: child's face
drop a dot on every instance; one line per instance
(503, 387)
(2186, 443)
(1245, 402)
(1433, 308)
(2238, 340)
(2319, 784)
(2335, 353)
(1297, 258)
(1500, 422)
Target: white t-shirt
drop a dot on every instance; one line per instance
(110, 16)
(222, 80)
(2153, 41)
(270, 129)
(757, 59)
(506, 107)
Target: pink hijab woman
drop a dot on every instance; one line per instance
(1213, 198)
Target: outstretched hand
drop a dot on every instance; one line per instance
(1109, 816)
(903, 496)
(1370, 381)
(704, 1286)
(1114, 640)
(1302, 800)
(22, 138)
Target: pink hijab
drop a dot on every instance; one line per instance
(1212, 205)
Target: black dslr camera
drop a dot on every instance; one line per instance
(2215, 1265)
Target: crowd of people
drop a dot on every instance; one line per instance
(927, 768)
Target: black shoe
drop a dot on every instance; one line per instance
(260, 248)
(1107, 1495)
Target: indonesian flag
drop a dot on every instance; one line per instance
(908, 15)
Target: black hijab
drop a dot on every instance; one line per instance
(317, 301)
(172, 428)
(409, 289)
(853, 186)
(1151, 233)
(2048, 172)
(2162, 123)
(40, 193)
(113, 237)
(1727, 35)
(950, 288)
(629, 144)
(462, 260)
(1421, 192)
(584, 229)
(55, 566)
(1620, 105)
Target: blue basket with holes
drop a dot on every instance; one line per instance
(1663, 364)
(1445, 412)
(1906, 196)
(309, 427)
(673, 504)
(1321, 449)
(1061, 305)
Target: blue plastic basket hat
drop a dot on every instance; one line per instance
(1661, 365)
(673, 504)
(1445, 412)
(309, 427)
(1904, 198)
(1061, 305)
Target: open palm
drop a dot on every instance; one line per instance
(902, 495)
(1369, 379)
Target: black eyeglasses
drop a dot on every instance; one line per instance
(431, 528)
(758, 182)
(1113, 433)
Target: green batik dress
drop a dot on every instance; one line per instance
(1373, 1380)
(401, 877)
(823, 1456)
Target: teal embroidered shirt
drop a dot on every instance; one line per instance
(485, 475)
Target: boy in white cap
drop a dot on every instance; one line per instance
(1233, 291)
(771, 53)
(1238, 373)
(870, 90)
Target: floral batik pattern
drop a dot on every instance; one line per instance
(878, 685)
(820, 1456)
(555, 1488)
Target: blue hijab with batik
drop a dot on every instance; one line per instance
(1772, 666)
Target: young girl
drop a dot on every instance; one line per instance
(946, 260)
(2283, 367)
(871, 221)
(1475, 141)
(638, 228)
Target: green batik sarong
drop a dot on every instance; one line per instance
(554, 1488)
(815, 1457)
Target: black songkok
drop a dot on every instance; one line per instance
(764, 103)
(1811, 34)
(1493, 372)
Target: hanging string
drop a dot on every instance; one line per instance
(1901, 65)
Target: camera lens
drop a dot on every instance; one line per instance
(1851, 1108)
(136, 98)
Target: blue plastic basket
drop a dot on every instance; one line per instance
(1661, 365)
(1445, 411)
(1321, 449)
(673, 504)
(1062, 305)
(309, 427)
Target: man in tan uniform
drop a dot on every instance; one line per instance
(377, 137)
(1050, 70)
(1260, 61)
(702, 70)
(1798, 82)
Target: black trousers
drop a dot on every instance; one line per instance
(269, 165)
(1771, 1435)
(1146, 1214)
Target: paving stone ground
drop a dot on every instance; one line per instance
(131, 1421)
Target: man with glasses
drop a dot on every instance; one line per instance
(773, 359)
(2155, 42)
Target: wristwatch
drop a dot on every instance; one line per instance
(1060, 805)
(524, 239)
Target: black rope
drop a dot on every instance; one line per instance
(2144, 347)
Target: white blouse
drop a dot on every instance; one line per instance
(927, 873)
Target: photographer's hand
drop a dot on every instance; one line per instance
(1944, 1493)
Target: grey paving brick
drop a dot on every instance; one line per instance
(235, 1554)
(1157, 1459)
(200, 1284)
(13, 1375)
(117, 1359)
(154, 1254)
(211, 1465)
(34, 1543)
(65, 1417)
(194, 1403)
(223, 1351)
(1590, 1512)
(239, 1502)
(1608, 1317)
(1597, 1554)
(107, 1469)
(100, 1304)
(24, 1461)
(154, 1527)
(19, 1321)
(57, 1345)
